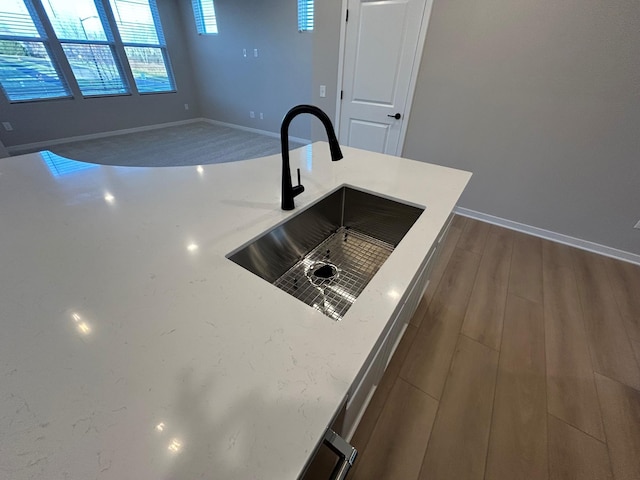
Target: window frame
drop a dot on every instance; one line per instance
(201, 19)
(108, 42)
(60, 61)
(44, 40)
(161, 45)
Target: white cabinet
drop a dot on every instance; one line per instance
(366, 382)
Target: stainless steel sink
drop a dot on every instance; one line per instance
(327, 254)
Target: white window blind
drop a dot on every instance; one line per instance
(138, 23)
(305, 15)
(205, 15)
(88, 45)
(27, 71)
(81, 31)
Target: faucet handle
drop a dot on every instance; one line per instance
(298, 189)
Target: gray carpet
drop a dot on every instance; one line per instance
(196, 143)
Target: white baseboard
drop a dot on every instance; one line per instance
(553, 236)
(254, 130)
(17, 149)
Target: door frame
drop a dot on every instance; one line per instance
(424, 25)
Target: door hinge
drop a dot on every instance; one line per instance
(347, 19)
(341, 94)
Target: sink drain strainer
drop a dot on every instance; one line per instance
(322, 273)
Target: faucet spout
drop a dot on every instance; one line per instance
(288, 190)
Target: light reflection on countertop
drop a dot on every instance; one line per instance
(393, 293)
(60, 166)
(82, 326)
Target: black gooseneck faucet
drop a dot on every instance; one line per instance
(289, 191)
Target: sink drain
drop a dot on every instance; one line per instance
(321, 273)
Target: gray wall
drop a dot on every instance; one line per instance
(230, 85)
(540, 100)
(3, 151)
(326, 44)
(41, 121)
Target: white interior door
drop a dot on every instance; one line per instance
(383, 39)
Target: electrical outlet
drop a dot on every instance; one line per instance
(323, 91)
(637, 225)
(252, 114)
(261, 116)
(7, 126)
(186, 106)
(255, 52)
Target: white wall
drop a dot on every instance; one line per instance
(541, 100)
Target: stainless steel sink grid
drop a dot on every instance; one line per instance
(326, 255)
(356, 258)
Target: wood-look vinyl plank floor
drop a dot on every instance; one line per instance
(455, 231)
(525, 278)
(555, 336)
(574, 455)
(485, 312)
(453, 236)
(399, 440)
(458, 444)
(611, 351)
(625, 281)
(571, 391)
(474, 236)
(636, 348)
(621, 414)
(518, 442)
(429, 357)
(368, 422)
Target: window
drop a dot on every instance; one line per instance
(205, 15)
(139, 25)
(305, 15)
(88, 45)
(37, 35)
(27, 71)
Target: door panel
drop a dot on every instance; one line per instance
(380, 51)
(368, 135)
(373, 84)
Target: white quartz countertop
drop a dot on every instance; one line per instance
(132, 348)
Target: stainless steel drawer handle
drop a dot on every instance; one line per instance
(345, 451)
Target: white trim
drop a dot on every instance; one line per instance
(16, 149)
(413, 80)
(343, 39)
(553, 236)
(254, 130)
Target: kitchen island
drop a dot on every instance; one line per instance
(131, 346)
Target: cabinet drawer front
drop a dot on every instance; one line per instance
(360, 396)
